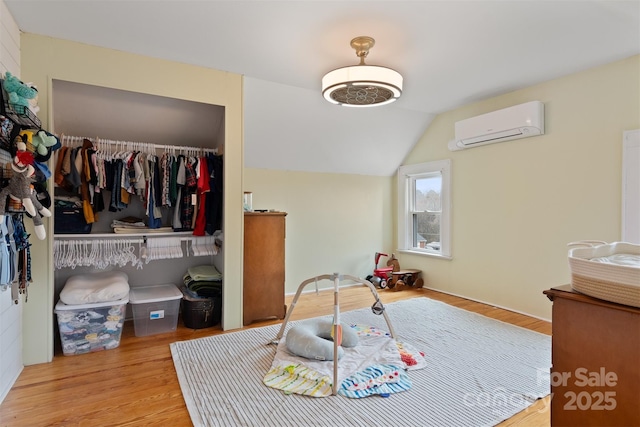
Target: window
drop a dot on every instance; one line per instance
(424, 208)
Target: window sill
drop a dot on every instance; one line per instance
(424, 253)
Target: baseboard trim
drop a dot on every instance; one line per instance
(330, 288)
(490, 304)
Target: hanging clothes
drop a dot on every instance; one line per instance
(155, 217)
(23, 251)
(189, 189)
(85, 178)
(180, 183)
(173, 181)
(163, 182)
(214, 199)
(58, 174)
(202, 190)
(6, 273)
(165, 167)
(73, 177)
(117, 204)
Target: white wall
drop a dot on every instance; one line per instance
(10, 314)
(517, 204)
(335, 222)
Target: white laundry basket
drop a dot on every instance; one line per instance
(595, 271)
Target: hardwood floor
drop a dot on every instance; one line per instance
(136, 384)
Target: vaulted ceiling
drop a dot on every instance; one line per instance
(450, 53)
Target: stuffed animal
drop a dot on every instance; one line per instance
(20, 189)
(19, 93)
(33, 102)
(41, 141)
(38, 225)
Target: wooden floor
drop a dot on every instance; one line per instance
(136, 384)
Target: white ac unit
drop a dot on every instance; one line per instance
(519, 121)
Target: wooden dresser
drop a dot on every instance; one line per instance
(595, 377)
(263, 289)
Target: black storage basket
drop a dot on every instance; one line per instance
(18, 114)
(199, 313)
(70, 220)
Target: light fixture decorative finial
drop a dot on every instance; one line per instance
(362, 85)
(362, 45)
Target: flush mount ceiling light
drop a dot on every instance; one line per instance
(362, 85)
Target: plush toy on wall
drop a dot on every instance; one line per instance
(38, 225)
(19, 93)
(33, 102)
(20, 189)
(40, 140)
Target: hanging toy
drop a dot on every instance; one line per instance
(20, 189)
(20, 94)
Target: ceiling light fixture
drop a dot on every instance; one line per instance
(362, 85)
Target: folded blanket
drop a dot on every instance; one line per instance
(299, 379)
(375, 379)
(204, 272)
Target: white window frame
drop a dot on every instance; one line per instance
(406, 174)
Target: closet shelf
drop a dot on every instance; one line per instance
(120, 235)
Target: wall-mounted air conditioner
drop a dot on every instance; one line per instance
(519, 121)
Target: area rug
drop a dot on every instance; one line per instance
(479, 372)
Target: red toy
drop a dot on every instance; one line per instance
(382, 275)
(392, 277)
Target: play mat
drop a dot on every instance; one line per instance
(376, 365)
(368, 360)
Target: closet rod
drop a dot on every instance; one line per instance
(118, 236)
(123, 235)
(96, 140)
(120, 240)
(154, 146)
(182, 236)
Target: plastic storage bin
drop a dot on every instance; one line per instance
(86, 328)
(200, 312)
(155, 309)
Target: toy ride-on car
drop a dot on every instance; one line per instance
(402, 278)
(380, 276)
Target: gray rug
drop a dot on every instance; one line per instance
(479, 372)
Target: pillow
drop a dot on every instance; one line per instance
(97, 287)
(312, 339)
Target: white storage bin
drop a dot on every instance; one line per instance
(155, 309)
(86, 328)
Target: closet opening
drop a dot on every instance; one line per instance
(120, 121)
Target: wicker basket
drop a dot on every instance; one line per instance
(607, 281)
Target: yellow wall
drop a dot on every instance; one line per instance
(45, 59)
(335, 222)
(517, 204)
